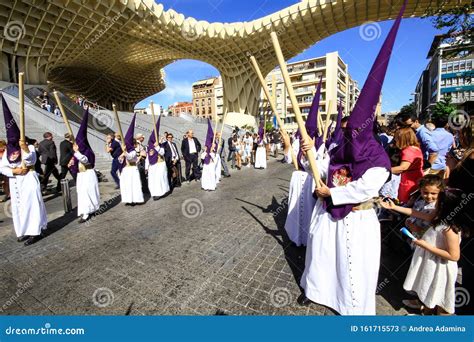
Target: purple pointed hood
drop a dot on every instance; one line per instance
(337, 136)
(129, 136)
(13, 134)
(209, 139)
(312, 119)
(83, 144)
(359, 150)
(152, 154)
(312, 123)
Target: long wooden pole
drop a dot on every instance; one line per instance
(21, 99)
(63, 113)
(154, 121)
(119, 125)
(274, 107)
(299, 118)
(328, 120)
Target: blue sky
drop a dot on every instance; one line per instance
(408, 60)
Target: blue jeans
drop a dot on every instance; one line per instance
(114, 171)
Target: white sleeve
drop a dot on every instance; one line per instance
(6, 171)
(361, 190)
(160, 150)
(82, 158)
(131, 156)
(29, 158)
(147, 163)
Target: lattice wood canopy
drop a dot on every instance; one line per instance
(115, 50)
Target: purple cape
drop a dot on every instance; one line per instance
(83, 144)
(13, 134)
(153, 157)
(209, 139)
(359, 150)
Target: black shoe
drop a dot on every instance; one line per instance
(226, 176)
(303, 300)
(32, 239)
(156, 198)
(23, 238)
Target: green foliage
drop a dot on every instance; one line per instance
(458, 21)
(443, 108)
(268, 126)
(408, 109)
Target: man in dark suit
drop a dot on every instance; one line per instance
(66, 153)
(115, 149)
(49, 158)
(173, 163)
(191, 148)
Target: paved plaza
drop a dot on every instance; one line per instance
(191, 253)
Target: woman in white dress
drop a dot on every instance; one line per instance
(87, 185)
(155, 164)
(130, 182)
(18, 164)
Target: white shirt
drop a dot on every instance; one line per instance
(192, 146)
(174, 153)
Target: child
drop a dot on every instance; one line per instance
(424, 208)
(433, 270)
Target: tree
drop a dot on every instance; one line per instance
(443, 108)
(407, 109)
(458, 21)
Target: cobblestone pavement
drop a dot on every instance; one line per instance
(192, 253)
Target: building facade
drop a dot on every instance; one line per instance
(337, 84)
(179, 108)
(208, 98)
(449, 73)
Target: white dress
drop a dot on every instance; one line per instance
(208, 178)
(158, 176)
(28, 209)
(431, 277)
(130, 183)
(301, 203)
(87, 188)
(261, 157)
(343, 257)
(218, 168)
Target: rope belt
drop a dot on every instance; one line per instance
(367, 205)
(84, 168)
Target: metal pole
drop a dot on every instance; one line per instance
(66, 191)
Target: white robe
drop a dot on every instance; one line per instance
(218, 165)
(261, 157)
(28, 209)
(158, 176)
(343, 257)
(87, 188)
(208, 178)
(301, 202)
(130, 183)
